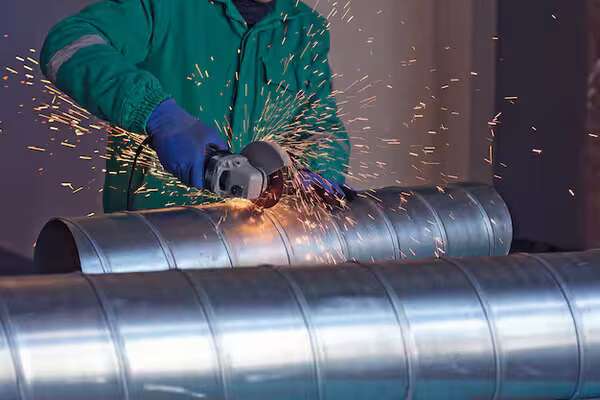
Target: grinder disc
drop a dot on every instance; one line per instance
(274, 191)
(274, 161)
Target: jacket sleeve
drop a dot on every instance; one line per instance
(93, 56)
(330, 155)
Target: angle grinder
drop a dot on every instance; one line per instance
(258, 173)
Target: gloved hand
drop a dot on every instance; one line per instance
(311, 181)
(182, 142)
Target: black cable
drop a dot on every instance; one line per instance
(138, 153)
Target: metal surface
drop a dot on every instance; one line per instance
(387, 224)
(520, 327)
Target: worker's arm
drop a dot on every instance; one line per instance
(92, 56)
(330, 155)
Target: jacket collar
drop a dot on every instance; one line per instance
(284, 10)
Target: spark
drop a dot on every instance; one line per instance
(36, 148)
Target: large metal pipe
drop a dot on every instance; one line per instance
(388, 224)
(520, 327)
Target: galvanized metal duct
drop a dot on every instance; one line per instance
(387, 224)
(520, 327)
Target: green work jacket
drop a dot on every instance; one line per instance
(120, 58)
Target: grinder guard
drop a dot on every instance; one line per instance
(274, 162)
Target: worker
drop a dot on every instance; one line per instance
(194, 73)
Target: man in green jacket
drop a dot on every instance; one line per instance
(191, 73)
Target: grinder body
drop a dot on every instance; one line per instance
(256, 174)
(232, 175)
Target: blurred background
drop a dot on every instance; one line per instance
(435, 91)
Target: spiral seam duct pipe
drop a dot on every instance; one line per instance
(383, 225)
(519, 327)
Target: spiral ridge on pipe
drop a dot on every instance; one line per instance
(380, 225)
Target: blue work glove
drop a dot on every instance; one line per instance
(312, 181)
(182, 142)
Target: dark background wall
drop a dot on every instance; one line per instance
(29, 197)
(541, 92)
